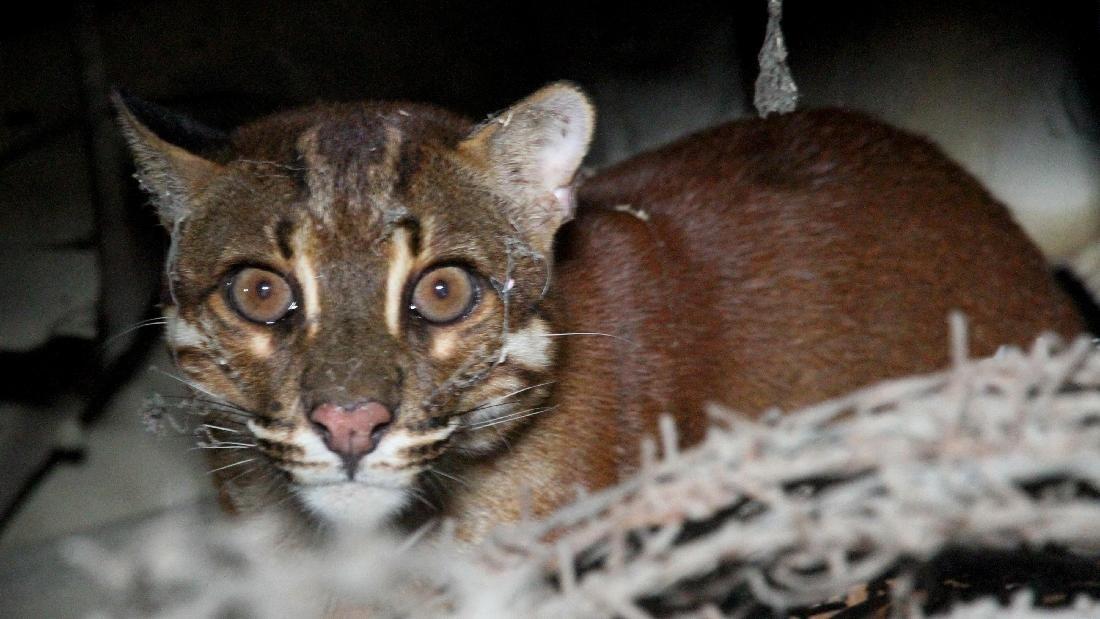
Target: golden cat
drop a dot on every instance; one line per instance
(399, 313)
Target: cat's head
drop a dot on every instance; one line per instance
(362, 285)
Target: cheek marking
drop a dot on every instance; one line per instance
(261, 345)
(401, 263)
(443, 345)
(307, 279)
(182, 334)
(529, 346)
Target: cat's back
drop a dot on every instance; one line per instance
(794, 258)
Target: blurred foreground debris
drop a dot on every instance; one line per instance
(953, 492)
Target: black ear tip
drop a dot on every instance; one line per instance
(170, 126)
(120, 98)
(120, 93)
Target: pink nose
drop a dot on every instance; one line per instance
(350, 434)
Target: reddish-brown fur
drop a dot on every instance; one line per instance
(766, 263)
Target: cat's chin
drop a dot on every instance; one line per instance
(353, 505)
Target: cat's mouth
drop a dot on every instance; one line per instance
(376, 487)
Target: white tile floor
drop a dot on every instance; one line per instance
(127, 470)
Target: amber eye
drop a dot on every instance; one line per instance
(260, 295)
(444, 294)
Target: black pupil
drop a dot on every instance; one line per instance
(264, 289)
(440, 289)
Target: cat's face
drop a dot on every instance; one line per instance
(363, 285)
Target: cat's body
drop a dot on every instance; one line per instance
(758, 264)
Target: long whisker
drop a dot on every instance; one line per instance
(519, 391)
(229, 466)
(436, 471)
(416, 536)
(186, 399)
(149, 322)
(202, 407)
(418, 495)
(477, 408)
(251, 469)
(513, 417)
(499, 400)
(184, 381)
(215, 443)
(617, 337)
(193, 398)
(222, 428)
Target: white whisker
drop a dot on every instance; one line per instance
(223, 429)
(519, 391)
(418, 495)
(416, 536)
(436, 471)
(617, 337)
(251, 469)
(149, 322)
(229, 466)
(217, 399)
(513, 417)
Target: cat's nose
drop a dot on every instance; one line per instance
(351, 433)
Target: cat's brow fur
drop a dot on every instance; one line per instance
(760, 263)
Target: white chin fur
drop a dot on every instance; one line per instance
(352, 505)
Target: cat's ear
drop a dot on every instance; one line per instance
(534, 149)
(169, 150)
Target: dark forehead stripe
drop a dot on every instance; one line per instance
(283, 230)
(351, 158)
(350, 163)
(353, 141)
(298, 171)
(407, 165)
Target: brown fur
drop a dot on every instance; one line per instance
(777, 263)
(762, 263)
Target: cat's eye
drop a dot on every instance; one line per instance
(444, 294)
(260, 295)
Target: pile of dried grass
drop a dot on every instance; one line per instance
(959, 485)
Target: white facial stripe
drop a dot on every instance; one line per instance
(529, 346)
(401, 264)
(393, 445)
(427, 230)
(266, 434)
(307, 279)
(389, 451)
(313, 448)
